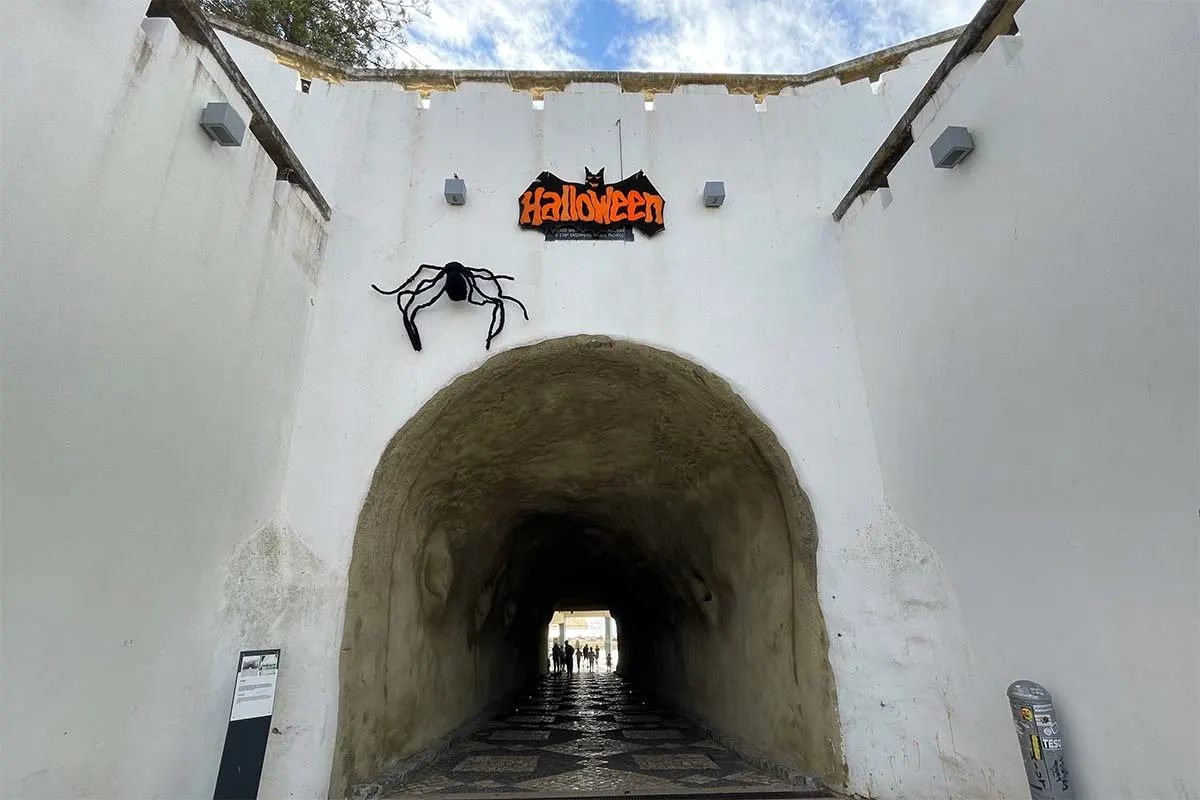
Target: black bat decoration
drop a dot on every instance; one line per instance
(593, 207)
(456, 282)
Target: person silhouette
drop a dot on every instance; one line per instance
(568, 655)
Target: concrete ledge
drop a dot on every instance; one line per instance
(994, 18)
(537, 82)
(194, 25)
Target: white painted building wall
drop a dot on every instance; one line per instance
(157, 291)
(753, 291)
(1028, 327)
(156, 308)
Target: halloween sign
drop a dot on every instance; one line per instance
(593, 209)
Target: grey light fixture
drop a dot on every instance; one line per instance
(222, 122)
(714, 193)
(456, 191)
(954, 144)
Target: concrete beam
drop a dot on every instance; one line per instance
(193, 24)
(538, 82)
(994, 18)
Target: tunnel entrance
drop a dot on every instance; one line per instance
(583, 473)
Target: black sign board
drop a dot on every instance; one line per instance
(593, 209)
(249, 725)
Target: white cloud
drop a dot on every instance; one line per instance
(494, 34)
(778, 35)
(677, 35)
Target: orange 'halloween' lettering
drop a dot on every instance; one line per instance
(601, 205)
(531, 209)
(654, 208)
(635, 205)
(568, 206)
(585, 211)
(575, 203)
(550, 206)
(616, 209)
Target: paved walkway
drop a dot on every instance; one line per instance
(589, 734)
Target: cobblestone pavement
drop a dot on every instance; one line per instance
(588, 733)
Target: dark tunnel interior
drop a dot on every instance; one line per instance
(565, 561)
(584, 472)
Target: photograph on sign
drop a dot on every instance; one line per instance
(254, 692)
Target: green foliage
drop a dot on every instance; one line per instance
(361, 33)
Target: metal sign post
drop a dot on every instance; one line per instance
(1040, 736)
(249, 725)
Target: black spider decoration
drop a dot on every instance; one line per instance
(460, 283)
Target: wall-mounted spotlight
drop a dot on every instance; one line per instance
(223, 124)
(951, 147)
(714, 193)
(456, 191)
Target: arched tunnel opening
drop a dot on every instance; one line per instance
(585, 472)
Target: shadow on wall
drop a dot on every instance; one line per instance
(591, 472)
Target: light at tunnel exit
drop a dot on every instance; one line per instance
(594, 631)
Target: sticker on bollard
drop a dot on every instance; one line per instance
(1041, 741)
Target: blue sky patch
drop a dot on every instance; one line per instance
(602, 31)
(670, 35)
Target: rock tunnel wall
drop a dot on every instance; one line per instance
(600, 473)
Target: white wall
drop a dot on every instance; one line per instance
(1028, 328)
(753, 291)
(157, 294)
(1028, 340)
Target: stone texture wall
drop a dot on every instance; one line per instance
(611, 473)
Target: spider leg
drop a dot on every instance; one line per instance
(403, 301)
(473, 290)
(414, 336)
(423, 286)
(496, 325)
(408, 312)
(412, 310)
(477, 297)
(480, 272)
(493, 333)
(524, 310)
(437, 270)
(500, 295)
(499, 299)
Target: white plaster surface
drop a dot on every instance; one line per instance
(157, 291)
(752, 291)
(1028, 329)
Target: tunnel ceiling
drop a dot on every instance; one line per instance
(579, 474)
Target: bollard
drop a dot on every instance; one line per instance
(1041, 741)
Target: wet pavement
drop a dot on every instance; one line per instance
(589, 735)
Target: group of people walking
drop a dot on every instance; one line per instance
(565, 657)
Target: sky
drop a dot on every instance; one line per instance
(669, 35)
